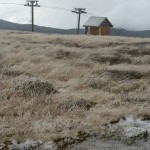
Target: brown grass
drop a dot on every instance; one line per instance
(114, 59)
(56, 86)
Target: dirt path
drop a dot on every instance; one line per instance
(98, 144)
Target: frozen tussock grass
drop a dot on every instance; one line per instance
(59, 86)
(35, 88)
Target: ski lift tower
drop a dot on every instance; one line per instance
(32, 4)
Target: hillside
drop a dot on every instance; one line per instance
(27, 27)
(65, 88)
(41, 29)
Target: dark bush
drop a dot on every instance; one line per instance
(124, 74)
(35, 88)
(12, 73)
(61, 54)
(114, 59)
(75, 104)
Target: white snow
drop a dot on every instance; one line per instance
(132, 127)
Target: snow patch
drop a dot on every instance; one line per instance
(132, 128)
(29, 144)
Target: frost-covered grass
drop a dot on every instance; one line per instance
(96, 81)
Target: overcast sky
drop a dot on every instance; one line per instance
(127, 14)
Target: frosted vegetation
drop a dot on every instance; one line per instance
(64, 88)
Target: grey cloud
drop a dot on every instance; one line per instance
(128, 14)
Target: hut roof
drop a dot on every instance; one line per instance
(97, 22)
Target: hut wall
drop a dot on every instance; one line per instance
(94, 31)
(105, 30)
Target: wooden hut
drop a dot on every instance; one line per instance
(98, 26)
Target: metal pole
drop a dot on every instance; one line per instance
(32, 17)
(32, 4)
(79, 11)
(79, 22)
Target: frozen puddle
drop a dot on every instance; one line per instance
(127, 134)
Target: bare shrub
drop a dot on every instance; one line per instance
(1, 68)
(125, 87)
(114, 59)
(66, 43)
(95, 82)
(83, 64)
(1, 85)
(17, 46)
(35, 88)
(12, 73)
(1, 56)
(123, 50)
(134, 99)
(75, 104)
(135, 52)
(137, 97)
(61, 54)
(124, 74)
(145, 52)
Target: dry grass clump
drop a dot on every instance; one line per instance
(138, 96)
(125, 87)
(123, 50)
(61, 54)
(95, 82)
(31, 88)
(1, 68)
(110, 59)
(134, 50)
(75, 104)
(68, 42)
(83, 64)
(112, 81)
(124, 74)
(12, 72)
(1, 56)
(140, 52)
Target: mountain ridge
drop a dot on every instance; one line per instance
(7, 25)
